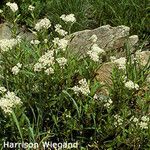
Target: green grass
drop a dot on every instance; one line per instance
(51, 110)
(93, 13)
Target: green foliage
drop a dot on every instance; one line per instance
(51, 109)
(132, 13)
(91, 13)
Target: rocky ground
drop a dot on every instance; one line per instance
(111, 39)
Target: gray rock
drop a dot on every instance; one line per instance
(108, 38)
(5, 32)
(143, 57)
(133, 39)
(105, 71)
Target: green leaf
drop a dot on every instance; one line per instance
(17, 124)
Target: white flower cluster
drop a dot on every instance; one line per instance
(13, 6)
(9, 101)
(49, 71)
(35, 42)
(121, 62)
(83, 88)
(60, 43)
(131, 85)
(108, 103)
(1, 11)
(7, 44)
(142, 123)
(61, 61)
(43, 24)
(60, 31)
(118, 120)
(68, 18)
(15, 70)
(112, 58)
(95, 52)
(31, 8)
(2, 89)
(45, 62)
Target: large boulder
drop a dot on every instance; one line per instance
(108, 38)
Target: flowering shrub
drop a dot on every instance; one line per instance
(56, 96)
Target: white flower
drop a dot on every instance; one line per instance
(76, 89)
(97, 49)
(49, 71)
(8, 44)
(95, 52)
(45, 61)
(59, 30)
(15, 70)
(143, 125)
(131, 85)
(19, 65)
(61, 61)
(83, 82)
(95, 96)
(56, 41)
(9, 101)
(43, 24)
(112, 58)
(13, 6)
(93, 38)
(125, 78)
(61, 43)
(68, 18)
(62, 32)
(35, 42)
(58, 26)
(83, 88)
(45, 40)
(31, 8)
(2, 89)
(93, 55)
(38, 67)
(1, 11)
(135, 119)
(145, 118)
(108, 103)
(121, 62)
(119, 120)
(18, 38)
